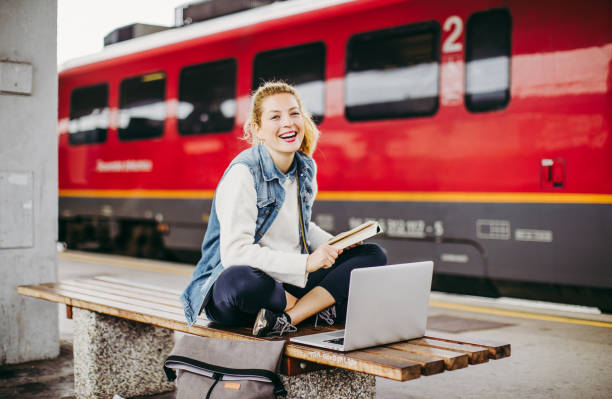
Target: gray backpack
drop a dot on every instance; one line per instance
(215, 368)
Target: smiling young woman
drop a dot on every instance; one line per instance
(264, 262)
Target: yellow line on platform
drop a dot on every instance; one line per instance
(127, 264)
(522, 315)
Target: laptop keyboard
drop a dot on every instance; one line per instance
(338, 341)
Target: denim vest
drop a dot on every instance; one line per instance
(270, 197)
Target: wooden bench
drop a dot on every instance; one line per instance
(124, 330)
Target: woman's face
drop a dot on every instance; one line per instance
(282, 125)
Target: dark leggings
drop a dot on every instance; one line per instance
(241, 291)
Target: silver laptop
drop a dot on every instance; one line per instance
(385, 304)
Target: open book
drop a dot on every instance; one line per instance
(358, 234)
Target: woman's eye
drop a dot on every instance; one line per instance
(295, 113)
(274, 117)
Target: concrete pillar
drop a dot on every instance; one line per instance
(118, 356)
(28, 177)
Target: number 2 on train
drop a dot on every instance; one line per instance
(454, 25)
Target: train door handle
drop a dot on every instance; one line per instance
(552, 172)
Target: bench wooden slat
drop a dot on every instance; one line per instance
(497, 350)
(128, 295)
(95, 295)
(408, 370)
(475, 355)
(395, 369)
(429, 365)
(452, 360)
(102, 305)
(137, 290)
(138, 285)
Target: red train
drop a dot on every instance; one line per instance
(478, 133)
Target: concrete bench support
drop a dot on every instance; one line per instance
(118, 356)
(330, 384)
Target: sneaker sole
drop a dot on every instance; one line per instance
(260, 323)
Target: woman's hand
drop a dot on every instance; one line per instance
(322, 257)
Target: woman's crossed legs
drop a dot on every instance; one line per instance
(241, 292)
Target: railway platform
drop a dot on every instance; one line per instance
(557, 351)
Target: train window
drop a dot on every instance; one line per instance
(487, 60)
(393, 73)
(207, 98)
(88, 120)
(142, 109)
(302, 66)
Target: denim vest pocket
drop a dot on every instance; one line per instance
(265, 202)
(265, 217)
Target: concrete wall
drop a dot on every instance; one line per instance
(28, 176)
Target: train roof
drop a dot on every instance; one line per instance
(221, 24)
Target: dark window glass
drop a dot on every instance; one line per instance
(142, 109)
(88, 115)
(302, 67)
(393, 73)
(207, 98)
(487, 60)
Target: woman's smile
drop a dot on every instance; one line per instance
(289, 137)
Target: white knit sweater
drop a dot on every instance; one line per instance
(278, 251)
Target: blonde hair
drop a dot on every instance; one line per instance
(311, 132)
